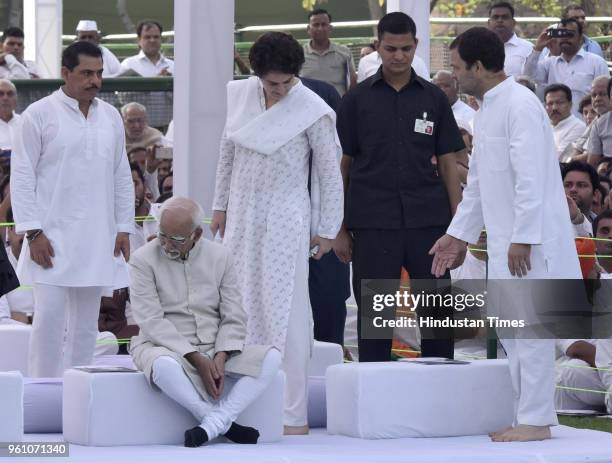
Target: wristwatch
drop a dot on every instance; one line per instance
(33, 234)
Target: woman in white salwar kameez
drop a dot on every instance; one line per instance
(262, 206)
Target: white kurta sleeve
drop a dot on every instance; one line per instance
(148, 312)
(535, 68)
(17, 70)
(124, 186)
(326, 153)
(27, 146)
(225, 165)
(111, 63)
(468, 220)
(233, 317)
(529, 150)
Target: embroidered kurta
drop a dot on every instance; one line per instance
(262, 179)
(70, 176)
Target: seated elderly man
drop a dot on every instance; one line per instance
(186, 300)
(138, 133)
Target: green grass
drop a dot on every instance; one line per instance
(583, 422)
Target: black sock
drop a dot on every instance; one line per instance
(242, 434)
(195, 437)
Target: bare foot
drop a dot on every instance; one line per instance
(501, 431)
(523, 433)
(296, 430)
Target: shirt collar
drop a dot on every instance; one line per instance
(580, 53)
(562, 123)
(500, 88)
(141, 55)
(378, 76)
(514, 40)
(308, 49)
(71, 102)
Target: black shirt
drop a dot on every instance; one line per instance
(326, 91)
(392, 182)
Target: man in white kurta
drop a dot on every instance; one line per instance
(262, 179)
(514, 190)
(72, 195)
(186, 299)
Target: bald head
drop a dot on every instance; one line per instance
(135, 119)
(599, 95)
(445, 81)
(181, 212)
(8, 99)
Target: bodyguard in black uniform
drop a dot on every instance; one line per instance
(393, 127)
(328, 278)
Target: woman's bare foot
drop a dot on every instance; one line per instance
(296, 430)
(523, 433)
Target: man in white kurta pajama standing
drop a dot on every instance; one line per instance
(72, 194)
(262, 179)
(514, 190)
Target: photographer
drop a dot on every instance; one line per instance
(575, 67)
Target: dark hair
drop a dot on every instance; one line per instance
(607, 214)
(396, 23)
(9, 215)
(276, 51)
(559, 88)
(570, 7)
(12, 32)
(146, 24)
(604, 193)
(581, 166)
(134, 167)
(586, 101)
(160, 181)
(480, 44)
(603, 178)
(318, 11)
(502, 5)
(609, 88)
(164, 197)
(70, 55)
(566, 21)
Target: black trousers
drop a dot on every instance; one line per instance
(380, 254)
(329, 288)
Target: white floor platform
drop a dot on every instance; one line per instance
(568, 445)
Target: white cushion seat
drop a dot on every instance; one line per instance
(11, 406)
(381, 400)
(109, 409)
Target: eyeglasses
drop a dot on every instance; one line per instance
(176, 240)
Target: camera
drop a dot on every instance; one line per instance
(559, 33)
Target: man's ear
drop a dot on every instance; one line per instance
(198, 234)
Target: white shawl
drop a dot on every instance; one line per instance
(265, 131)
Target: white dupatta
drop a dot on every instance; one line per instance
(265, 131)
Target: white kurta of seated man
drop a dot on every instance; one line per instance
(262, 182)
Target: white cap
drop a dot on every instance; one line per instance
(87, 25)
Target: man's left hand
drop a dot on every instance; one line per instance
(219, 366)
(519, 262)
(324, 244)
(122, 245)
